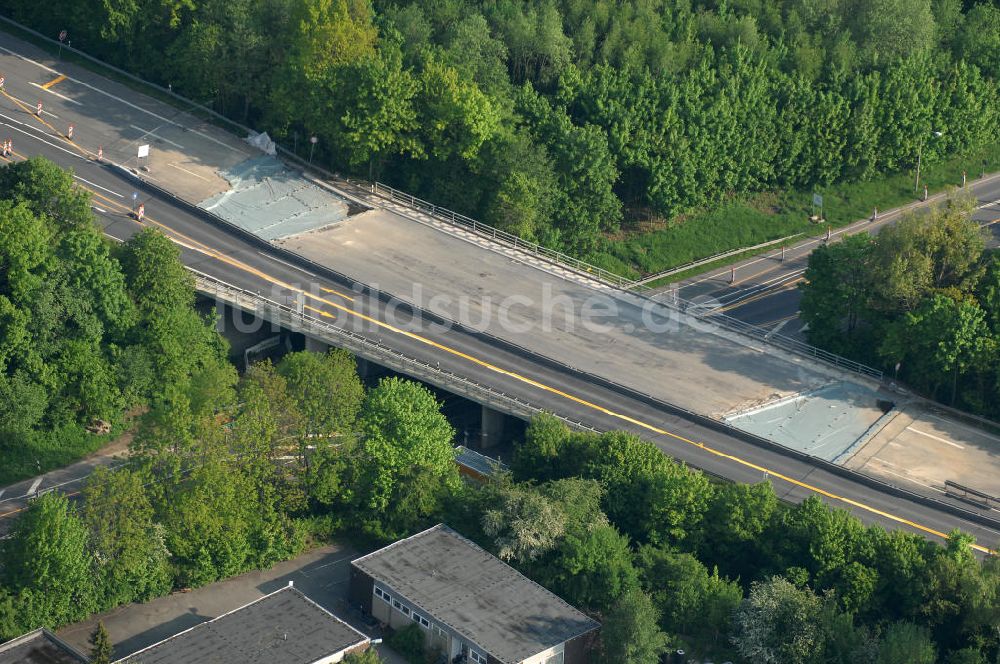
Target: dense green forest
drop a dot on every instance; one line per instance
(231, 473)
(87, 332)
(566, 121)
(923, 296)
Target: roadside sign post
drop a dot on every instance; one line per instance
(312, 140)
(62, 38)
(100, 153)
(782, 253)
(818, 205)
(143, 154)
(732, 275)
(875, 215)
(964, 179)
(135, 197)
(38, 109)
(69, 132)
(925, 192)
(2, 81)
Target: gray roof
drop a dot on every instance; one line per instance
(480, 463)
(39, 647)
(285, 627)
(476, 594)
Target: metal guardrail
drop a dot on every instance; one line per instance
(377, 352)
(969, 494)
(533, 248)
(624, 285)
(709, 259)
(564, 260)
(779, 340)
(292, 319)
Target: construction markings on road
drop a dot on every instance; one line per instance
(204, 249)
(58, 79)
(539, 385)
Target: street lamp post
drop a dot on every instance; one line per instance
(312, 146)
(920, 150)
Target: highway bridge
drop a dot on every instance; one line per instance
(320, 284)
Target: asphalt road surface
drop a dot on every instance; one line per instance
(230, 258)
(766, 292)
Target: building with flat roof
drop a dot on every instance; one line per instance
(472, 606)
(39, 647)
(475, 466)
(284, 627)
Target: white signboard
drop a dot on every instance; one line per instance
(817, 200)
(143, 151)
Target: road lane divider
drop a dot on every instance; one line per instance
(340, 308)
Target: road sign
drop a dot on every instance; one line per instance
(143, 151)
(38, 110)
(62, 35)
(2, 79)
(817, 200)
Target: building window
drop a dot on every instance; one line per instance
(396, 604)
(439, 631)
(378, 592)
(420, 620)
(476, 657)
(383, 595)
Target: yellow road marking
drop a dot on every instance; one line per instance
(778, 320)
(200, 247)
(31, 112)
(552, 390)
(58, 79)
(760, 296)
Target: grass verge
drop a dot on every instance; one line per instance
(759, 218)
(38, 452)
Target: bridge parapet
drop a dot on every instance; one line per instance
(373, 351)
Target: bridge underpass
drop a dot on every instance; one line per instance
(485, 364)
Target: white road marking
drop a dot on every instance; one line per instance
(188, 172)
(942, 440)
(101, 210)
(34, 487)
(294, 267)
(116, 239)
(893, 443)
(53, 92)
(98, 186)
(151, 132)
(127, 103)
(32, 106)
(37, 138)
(905, 477)
(777, 328)
(974, 430)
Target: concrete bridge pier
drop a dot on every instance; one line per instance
(315, 345)
(491, 431)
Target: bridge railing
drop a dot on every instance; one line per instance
(706, 313)
(623, 284)
(557, 257)
(292, 319)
